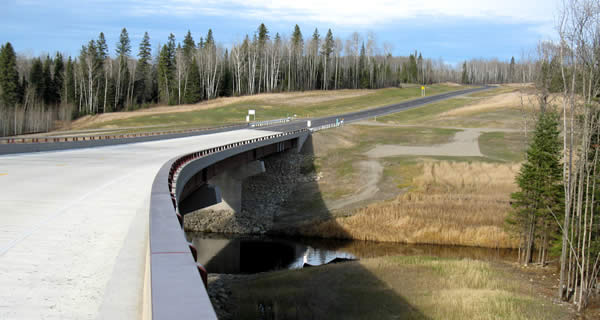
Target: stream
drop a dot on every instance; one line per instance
(245, 254)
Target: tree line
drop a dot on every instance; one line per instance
(39, 92)
(556, 208)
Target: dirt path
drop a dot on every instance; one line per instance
(464, 144)
(371, 172)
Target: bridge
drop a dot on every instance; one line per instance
(93, 229)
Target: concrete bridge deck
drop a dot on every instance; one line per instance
(73, 227)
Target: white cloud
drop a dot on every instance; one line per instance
(358, 13)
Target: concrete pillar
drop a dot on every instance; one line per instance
(229, 183)
(203, 197)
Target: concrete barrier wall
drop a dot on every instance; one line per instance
(175, 289)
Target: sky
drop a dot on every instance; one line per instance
(454, 30)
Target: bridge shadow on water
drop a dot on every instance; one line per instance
(346, 290)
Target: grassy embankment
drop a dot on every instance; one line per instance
(430, 199)
(394, 287)
(268, 106)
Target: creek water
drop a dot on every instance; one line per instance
(243, 254)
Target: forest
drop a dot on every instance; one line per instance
(38, 94)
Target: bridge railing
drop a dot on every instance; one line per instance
(269, 122)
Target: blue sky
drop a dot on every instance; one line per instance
(452, 30)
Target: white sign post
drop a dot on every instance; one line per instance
(247, 118)
(252, 113)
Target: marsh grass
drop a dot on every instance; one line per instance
(452, 203)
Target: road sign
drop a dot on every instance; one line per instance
(252, 112)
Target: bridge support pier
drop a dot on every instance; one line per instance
(229, 185)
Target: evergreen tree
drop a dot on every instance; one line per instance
(465, 74)
(165, 75)
(47, 93)
(188, 45)
(326, 50)
(36, 78)
(69, 94)
(171, 48)
(102, 47)
(226, 85)
(316, 37)
(58, 78)
(9, 77)
(328, 44)
(123, 51)
(362, 68)
(420, 75)
(143, 83)
(511, 70)
(124, 45)
(540, 191)
(297, 49)
(193, 92)
(263, 35)
(297, 37)
(413, 70)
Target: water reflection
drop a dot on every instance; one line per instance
(240, 254)
(249, 254)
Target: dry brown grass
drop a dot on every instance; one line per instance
(506, 100)
(455, 203)
(451, 84)
(312, 97)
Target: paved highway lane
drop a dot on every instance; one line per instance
(73, 227)
(376, 112)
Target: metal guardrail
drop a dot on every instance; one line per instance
(269, 122)
(175, 285)
(106, 137)
(326, 126)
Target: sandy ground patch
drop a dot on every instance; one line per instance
(300, 99)
(465, 144)
(510, 100)
(505, 100)
(451, 84)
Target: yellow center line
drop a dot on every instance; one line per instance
(3, 174)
